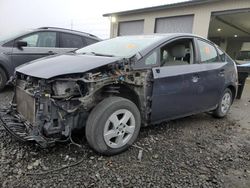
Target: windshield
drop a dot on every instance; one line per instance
(11, 35)
(243, 55)
(120, 46)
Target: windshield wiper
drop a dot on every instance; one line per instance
(98, 54)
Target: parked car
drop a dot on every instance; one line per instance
(19, 49)
(244, 54)
(113, 87)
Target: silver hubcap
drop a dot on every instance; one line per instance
(119, 128)
(225, 103)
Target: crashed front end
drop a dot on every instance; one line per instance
(48, 110)
(44, 111)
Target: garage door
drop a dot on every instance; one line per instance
(180, 24)
(131, 28)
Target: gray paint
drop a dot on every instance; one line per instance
(5, 60)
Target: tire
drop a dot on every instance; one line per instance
(113, 137)
(224, 104)
(3, 79)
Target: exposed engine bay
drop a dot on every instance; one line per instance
(48, 110)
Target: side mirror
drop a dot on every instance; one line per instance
(21, 44)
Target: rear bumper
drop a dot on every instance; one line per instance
(22, 129)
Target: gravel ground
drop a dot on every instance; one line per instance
(197, 151)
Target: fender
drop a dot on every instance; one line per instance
(5, 63)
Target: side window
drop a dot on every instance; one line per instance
(47, 39)
(208, 52)
(41, 39)
(70, 41)
(151, 59)
(179, 52)
(31, 40)
(90, 40)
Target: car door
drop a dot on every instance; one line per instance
(212, 76)
(176, 84)
(39, 44)
(69, 42)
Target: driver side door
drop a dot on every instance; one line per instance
(176, 84)
(39, 44)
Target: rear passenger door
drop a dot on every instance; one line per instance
(212, 75)
(69, 42)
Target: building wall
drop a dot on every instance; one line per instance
(202, 14)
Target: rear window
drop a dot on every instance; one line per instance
(70, 41)
(208, 52)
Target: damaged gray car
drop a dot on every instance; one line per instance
(114, 87)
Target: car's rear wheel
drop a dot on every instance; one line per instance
(3, 79)
(224, 104)
(113, 125)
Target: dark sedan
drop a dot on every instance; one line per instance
(113, 87)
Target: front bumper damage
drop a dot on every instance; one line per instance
(18, 127)
(36, 116)
(44, 133)
(47, 111)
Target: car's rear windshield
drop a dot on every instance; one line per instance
(121, 46)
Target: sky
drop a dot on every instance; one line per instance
(86, 16)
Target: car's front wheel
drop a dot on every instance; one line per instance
(224, 104)
(113, 125)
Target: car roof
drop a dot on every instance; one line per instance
(27, 32)
(163, 38)
(89, 35)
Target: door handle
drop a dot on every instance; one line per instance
(222, 73)
(195, 78)
(51, 53)
(157, 71)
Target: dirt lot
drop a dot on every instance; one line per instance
(197, 151)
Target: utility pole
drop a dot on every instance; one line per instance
(71, 24)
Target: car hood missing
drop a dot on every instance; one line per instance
(64, 64)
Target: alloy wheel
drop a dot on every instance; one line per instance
(119, 128)
(225, 103)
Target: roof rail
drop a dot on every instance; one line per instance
(89, 34)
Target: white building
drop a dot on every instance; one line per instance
(225, 22)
